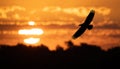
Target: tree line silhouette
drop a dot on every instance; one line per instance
(75, 57)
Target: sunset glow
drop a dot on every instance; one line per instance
(31, 40)
(34, 31)
(31, 23)
(55, 21)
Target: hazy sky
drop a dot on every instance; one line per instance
(106, 20)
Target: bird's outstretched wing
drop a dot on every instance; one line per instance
(79, 32)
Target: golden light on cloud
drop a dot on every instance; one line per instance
(34, 31)
(103, 10)
(18, 12)
(31, 23)
(79, 11)
(31, 40)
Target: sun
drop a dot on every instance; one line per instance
(31, 40)
(31, 23)
(33, 31)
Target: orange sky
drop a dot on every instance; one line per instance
(60, 19)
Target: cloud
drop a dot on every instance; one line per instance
(14, 8)
(75, 14)
(103, 10)
(2, 14)
(17, 11)
(11, 12)
(57, 15)
(106, 23)
(79, 11)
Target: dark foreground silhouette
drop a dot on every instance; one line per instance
(75, 57)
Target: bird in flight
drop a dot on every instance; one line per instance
(85, 25)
